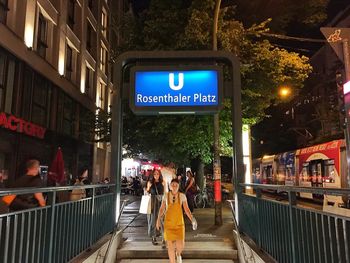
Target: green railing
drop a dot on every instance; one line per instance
(59, 231)
(291, 233)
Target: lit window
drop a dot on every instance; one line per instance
(103, 59)
(104, 22)
(89, 81)
(100, 96)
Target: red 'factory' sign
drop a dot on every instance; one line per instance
(19, 125)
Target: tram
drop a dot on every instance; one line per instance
(322, 165)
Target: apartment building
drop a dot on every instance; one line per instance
(54, 72)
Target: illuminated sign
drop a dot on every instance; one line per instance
(181, 90)
(16, 124)
(346, 88)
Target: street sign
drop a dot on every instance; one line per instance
(335, 37)
(176, 90)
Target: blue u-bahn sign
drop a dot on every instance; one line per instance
(176, 90)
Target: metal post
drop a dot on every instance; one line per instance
(292, 202)
(116, 138)
(92, 215)
(258, 199)
(216, 161)
(347, 105)
(52, 223)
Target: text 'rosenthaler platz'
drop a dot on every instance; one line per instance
(179, 98)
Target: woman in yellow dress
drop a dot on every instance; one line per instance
(174, 226)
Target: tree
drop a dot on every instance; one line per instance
(285, 14)
(263, 69)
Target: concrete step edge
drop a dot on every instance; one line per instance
(233, 254)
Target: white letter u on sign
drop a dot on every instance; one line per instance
(172, 84)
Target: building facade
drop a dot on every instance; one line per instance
(319, 108)
(54, 72)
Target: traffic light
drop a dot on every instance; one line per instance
(339, 79)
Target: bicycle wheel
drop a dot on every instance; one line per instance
(199, 201)
(210, 200)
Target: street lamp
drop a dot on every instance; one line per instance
(284, 91)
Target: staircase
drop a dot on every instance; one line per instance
(195, 251)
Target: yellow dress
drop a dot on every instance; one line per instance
(174, 226)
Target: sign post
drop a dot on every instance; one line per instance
(188, 84)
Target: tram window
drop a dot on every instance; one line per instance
(304, 173)
(289, 173)
(314, 171)
(329, 171)
(319, 173)
(269, 172)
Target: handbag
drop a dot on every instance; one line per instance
(145, 206)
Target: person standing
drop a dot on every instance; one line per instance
(30, 179)
(155, 186)
(174, 226)
(190, 190)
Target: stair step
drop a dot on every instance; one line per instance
(167, 261)
(193, 250)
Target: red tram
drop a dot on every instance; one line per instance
(322, 165)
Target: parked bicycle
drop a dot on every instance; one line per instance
(204, 198)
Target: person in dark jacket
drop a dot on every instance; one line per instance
(155, 186)
(30, 179)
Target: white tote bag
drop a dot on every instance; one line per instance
(145, 206)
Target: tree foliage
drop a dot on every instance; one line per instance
(172, 25)
(285, 13)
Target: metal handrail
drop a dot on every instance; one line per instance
(31, 190)
(60, 230)
(245, 257)
(316, 190)
(115, 231)
(292, 233)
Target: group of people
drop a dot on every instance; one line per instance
(168, 205)
(31, 178)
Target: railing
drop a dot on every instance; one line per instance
(59, 231)
(291, 233)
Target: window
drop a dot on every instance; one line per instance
(92, 4)
(86, 124)
(103, 59)
(91, 40)
(110, 92)
(27, 93)
(36, 98)
(71, 13)
(89, 81)
(7, 82)
(41, 101)
(42, 36)
(69, 62)
(3, 11)
(100, 95)
(104, 22)
(65, 114)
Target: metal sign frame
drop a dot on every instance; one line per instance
(128, 59)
